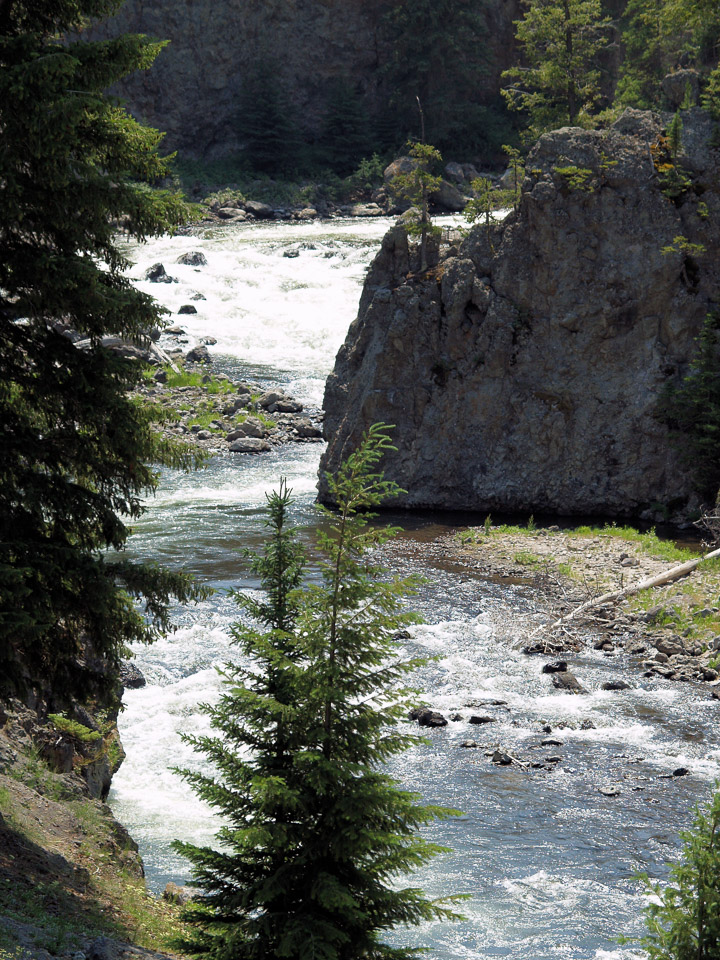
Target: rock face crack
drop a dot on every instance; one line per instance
(523, 371)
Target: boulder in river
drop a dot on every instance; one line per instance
(306, 429)
(249, 445)
(261, 211)
(131, 677)
(557, 666)
(193, 258)
(187, 308)
(199, 354)
(615, 685)
(157, 274)
(252, 427)
(568, 683)
(427, 717)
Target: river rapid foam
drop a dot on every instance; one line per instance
(548, 862)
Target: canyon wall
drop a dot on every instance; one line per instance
(194, 89)
(523, 371)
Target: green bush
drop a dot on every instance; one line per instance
(683, 918)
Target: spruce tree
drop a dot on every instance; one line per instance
(415, 187)
(317, 833)
(345, 139)
(75, 447)
(439, 52)
(683, 918)
(267, 125)
(558, 81)
(645, 60)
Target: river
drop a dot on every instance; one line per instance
(548, 861)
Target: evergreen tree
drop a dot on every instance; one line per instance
(692, 408)
(74, 445)
(683, 918)
(558, 83)
(317, 832)
(711, 94)
(415, 187)
(693, 29)
(345, 140)
(645, 60)
(267, 126)
(660, 35)
(439, 53)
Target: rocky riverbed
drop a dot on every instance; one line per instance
(670, 631)
(221, 415)
(62, 852)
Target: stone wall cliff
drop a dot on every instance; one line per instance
(522, 373)
(194, 89)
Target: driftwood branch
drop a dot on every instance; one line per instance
(668, 576)
(119, 342)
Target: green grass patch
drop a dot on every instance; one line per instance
(527, 559)
(74, 729)
(648, 542)
(196, 378)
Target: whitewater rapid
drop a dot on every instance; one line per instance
(548, 862)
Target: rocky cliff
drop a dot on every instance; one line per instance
(194, 89)
(523, 371)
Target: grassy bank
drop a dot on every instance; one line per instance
(69, 873)
(600, 559)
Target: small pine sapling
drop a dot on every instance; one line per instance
(416, 186)
(318, 832)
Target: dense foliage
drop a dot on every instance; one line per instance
(558, 81)
(440, 52)
(267, 124)
(683, 918)
(317, 833)
(562, 74)
(75, 447)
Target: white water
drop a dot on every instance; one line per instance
(280, 314)
(548, 861)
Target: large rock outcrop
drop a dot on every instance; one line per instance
(523, 372)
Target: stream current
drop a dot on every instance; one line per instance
(548, 861)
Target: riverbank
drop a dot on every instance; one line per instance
(219, 415)
(71, 880)
(670, 631)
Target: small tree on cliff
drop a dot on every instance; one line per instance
(75, 446)
(317, 832)
(415, 187)
(558, 82)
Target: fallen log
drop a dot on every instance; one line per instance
(668, 576)
(119, 342)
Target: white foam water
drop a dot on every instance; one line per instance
(547, 860)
